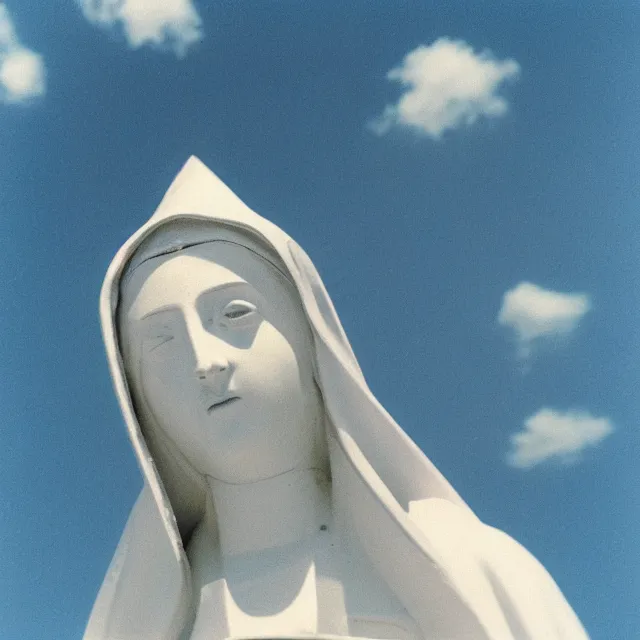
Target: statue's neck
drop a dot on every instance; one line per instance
(286, 509)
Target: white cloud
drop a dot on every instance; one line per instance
(22, 72)
(535, 313)
(166, 24)
(550, 434)
(447, 86)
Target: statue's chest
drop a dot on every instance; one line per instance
(319, 593)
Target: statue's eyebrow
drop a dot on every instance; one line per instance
(163, 309)
(226, 285)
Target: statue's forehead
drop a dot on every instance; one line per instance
(187, 273)
(183, 275)
(183, 279)
(191, 268)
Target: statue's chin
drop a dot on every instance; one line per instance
(243, 443)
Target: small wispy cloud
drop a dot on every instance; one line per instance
(550, 434)
(173, 25)
(22, 71)
(447, 86)
(534, 314)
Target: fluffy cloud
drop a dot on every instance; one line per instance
(22, 73)
(166, 24)
(535, 313)
(447, 86)
(550, 434)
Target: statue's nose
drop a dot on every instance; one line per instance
(212, 360)
(212, 363)
(213, 369)
(215, 373)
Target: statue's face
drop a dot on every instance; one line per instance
(218, 351)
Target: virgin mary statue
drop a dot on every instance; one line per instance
(280, 499)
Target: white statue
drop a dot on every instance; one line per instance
(280, 499)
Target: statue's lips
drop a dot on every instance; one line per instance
(222, 403)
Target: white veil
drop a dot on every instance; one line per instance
(455, 576)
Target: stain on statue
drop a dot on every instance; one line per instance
(280, 499)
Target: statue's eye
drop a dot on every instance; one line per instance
(239, 311)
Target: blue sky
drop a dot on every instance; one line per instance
(465, 179)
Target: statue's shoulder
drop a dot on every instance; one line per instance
(445, 523)
(479, 554)
(452, 529)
